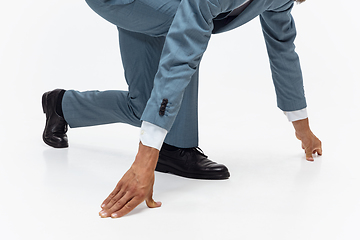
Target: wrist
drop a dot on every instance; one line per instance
(146, 157)
(302, 128)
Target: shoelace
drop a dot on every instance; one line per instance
(193, 149)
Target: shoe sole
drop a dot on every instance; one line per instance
(53, 145)
(214, 176)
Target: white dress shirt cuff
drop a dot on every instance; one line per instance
(152, 135)
(296, 115)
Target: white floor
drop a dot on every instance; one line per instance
(273, 192)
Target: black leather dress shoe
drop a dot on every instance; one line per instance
(190, 163)
(56, 127)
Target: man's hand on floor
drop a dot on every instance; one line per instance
(310, 143)
(134, 187)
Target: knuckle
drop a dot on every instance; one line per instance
(113, 201)
(131, 190)
(141, 194)
(128, 206)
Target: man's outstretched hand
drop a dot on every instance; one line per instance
(134, 187)
(310, 143)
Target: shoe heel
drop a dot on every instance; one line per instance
(44, 102)
(161, 168)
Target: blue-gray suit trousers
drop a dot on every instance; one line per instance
(142, 26)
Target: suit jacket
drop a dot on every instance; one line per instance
(187, 40)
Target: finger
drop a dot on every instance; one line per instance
(152, 204)
(112, 195)
(120, 203)
(309, 156)
(114, 200)
(128, 207)
(319, 151)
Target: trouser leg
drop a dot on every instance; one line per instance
(184, 132)
(150, 17)
(90, 108)
(140, 63)
(140, 56)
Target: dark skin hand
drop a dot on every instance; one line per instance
(137, 183)
(310, 143)
(134, 187)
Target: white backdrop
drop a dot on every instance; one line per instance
(273, 193)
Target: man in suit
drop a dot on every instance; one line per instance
(184, 46)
